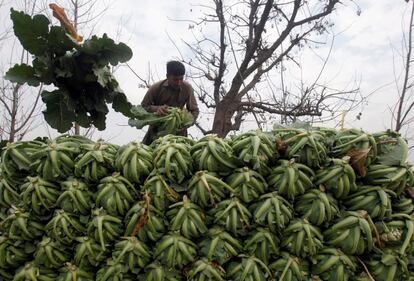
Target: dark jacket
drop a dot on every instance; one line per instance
(161, 94)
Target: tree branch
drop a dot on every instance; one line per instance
(30, 115)
(399, 120)
(204, 131)
(146, 83)
(222, 66)
(3, 101)
(269, 109)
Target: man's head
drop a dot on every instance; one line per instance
(175, 74)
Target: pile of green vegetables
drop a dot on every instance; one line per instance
(292, 204)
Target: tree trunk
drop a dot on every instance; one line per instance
(77, 129)
(13, 117)
(75, 24)
(222, 123)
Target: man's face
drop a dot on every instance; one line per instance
(175, 81)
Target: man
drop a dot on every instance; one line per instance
(171, 92)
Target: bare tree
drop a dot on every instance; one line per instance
(252, 38)
(324, 102)
(403, 111)
(19, 104)
(17, 120)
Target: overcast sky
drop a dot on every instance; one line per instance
(366, 48)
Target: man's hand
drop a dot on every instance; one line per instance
(161, 110)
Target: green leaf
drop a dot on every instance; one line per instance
(392, 153)
(187, 118)
(139, 124)
(43, 68)
(100, 104)
(124, 52)
(103, 75)
(31, 32)
(98, 120)
(3, 143)
(29, 248)
(84, 219)
(59, 42)
(388, 259)
(121, 104)
(139, 112)
(22, 73)
(82, 119)
(106, 50)
(66, 66)
(178, 187)
(57, 114)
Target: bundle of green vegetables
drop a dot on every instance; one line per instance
(173, 122)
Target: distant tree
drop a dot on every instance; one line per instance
(19, 104)
(234, 66)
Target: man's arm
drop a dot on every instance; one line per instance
(148, 102)
(192, 105)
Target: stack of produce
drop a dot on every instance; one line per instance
(291, 204)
